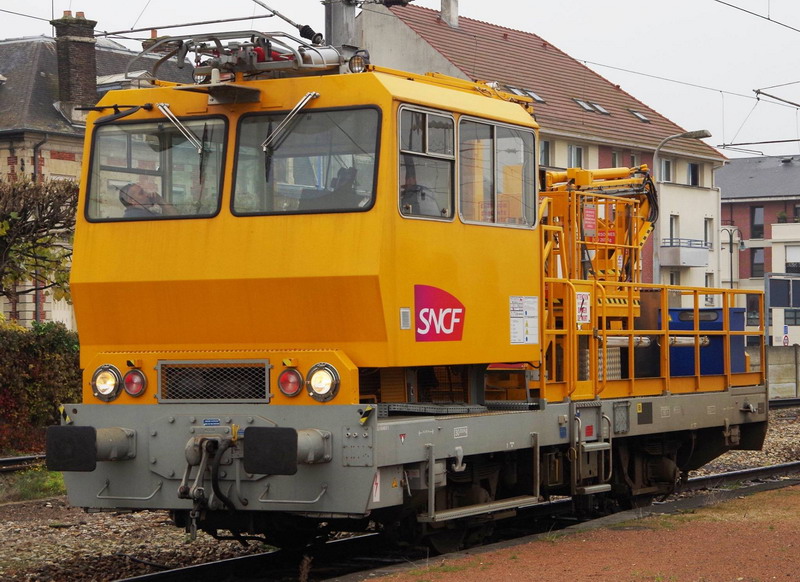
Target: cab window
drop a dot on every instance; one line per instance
(320, 161)
(427, 161)
(497, 174)
(148, 171)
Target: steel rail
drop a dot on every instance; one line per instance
(766, 472)
(13, 464)
(784, 403)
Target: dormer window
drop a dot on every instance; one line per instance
(591, 106)
(525, 93)
(534, 96)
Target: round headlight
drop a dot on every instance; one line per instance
(106, 383)
(322, 382)
(290, 382)
(359, 62)
(134, 382)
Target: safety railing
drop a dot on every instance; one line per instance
(666, 341)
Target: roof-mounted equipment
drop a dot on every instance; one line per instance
(231, 55)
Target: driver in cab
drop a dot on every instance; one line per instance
(140, 203)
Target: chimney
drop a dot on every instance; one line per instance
(449, 13)
(77, 62)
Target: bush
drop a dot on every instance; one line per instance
(39, 368)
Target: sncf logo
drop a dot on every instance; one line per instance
(439, 315)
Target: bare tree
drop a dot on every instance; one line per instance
(37, 221)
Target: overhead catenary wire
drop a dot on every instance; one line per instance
(756, 14)
(181, 25)
(684, 83)
(24, 15)
(138, 18)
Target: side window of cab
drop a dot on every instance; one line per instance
(497, 174)
(427, 163)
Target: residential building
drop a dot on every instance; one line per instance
(43, 83)
(585, 120)
(761, 230)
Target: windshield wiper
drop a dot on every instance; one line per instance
(273, 136)
(187, 133)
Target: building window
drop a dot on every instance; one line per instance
(574, 156)
(709, 284)
(708, 232)
(674, 277)
(753, 309)
(615, 159)
(792, 259)
(756, 222)
(599, 108)
(639, 115)
(535, 96)
(525, 93)
(693, 174)
(674, 231)
(756, 262)
(797, 212)
(585, 105)
(791, 317)
(634, 160)
(544, 153)
(666, 171)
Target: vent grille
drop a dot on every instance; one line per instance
(223, 380)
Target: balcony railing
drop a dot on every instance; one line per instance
(688, 243)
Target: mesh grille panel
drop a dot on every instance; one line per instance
(221, 380)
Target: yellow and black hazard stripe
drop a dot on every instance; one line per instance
(64, 416)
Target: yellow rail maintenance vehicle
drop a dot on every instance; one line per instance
(314, 294)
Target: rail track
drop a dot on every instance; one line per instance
(784, 403)
(14, 464)
(361, 554)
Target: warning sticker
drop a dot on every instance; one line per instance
(524, 319)
(376, 488)
(583, 306)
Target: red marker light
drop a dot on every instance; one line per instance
(134, 382)
(290, 382)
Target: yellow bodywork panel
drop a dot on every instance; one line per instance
(279, 285)
(381, 290)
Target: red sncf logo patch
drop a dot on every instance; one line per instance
(439, 316)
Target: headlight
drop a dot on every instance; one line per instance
(359, 62)
(134, 382)
(106, 383)
(290, 382)
(322, 382)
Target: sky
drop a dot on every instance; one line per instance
(698, 62)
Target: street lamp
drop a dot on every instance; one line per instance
(731, 230)
(696, 134)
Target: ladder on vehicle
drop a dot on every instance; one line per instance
(590, 450)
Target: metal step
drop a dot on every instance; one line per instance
(592, 489)
(491, 507)
(598, 446)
